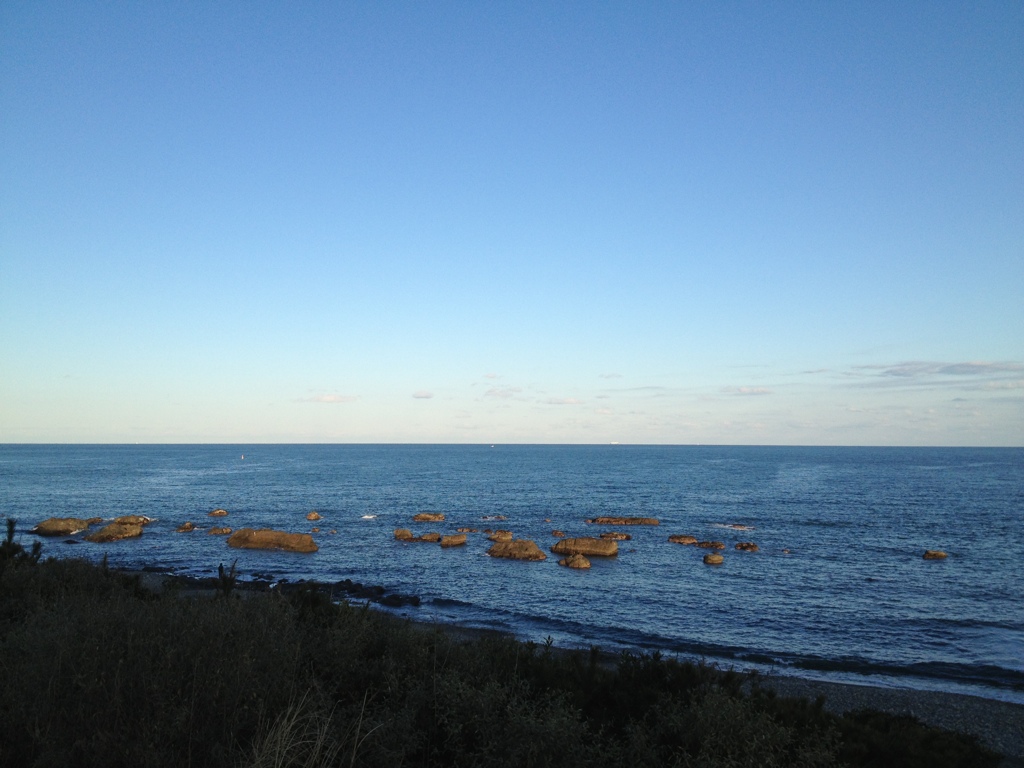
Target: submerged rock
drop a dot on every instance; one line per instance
(935, 554)
(575, 561)
(376, 594)
(247, 538)
(616, 536)
(428, 517)
(430, 538)
(682, 538)
(711, 544)
(519, 549)
(558, 534)
(186, 527)
(61, 526)
(586, 545)
(218, 532)
(625, 521)
(747, 546)
(115, 531)
(399, 601)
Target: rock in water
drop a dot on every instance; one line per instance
(218, 513)
(586, 545)
(711, 544)
(133, 520)
(682, 538)
(186, 527)
(713, 558)
(404, 534)
(218, 532)
(115, 532)
(616, 536)
(747, 546)
(519, 549)
(625, 521)
(454, 540)
(428, 517)
(314, 516)
(935, 554)
(501, 536)
(574, 561)
(247, 538)
(61, 526)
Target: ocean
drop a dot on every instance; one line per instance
(838, 589)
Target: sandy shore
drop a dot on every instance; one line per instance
(998, 725)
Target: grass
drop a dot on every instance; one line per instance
(95, 670)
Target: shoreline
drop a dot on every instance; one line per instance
(998, 724)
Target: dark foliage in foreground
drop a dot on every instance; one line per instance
(96, 671)
(13, 554)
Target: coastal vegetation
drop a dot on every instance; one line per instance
(96, 669)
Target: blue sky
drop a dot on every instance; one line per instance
(790, 223)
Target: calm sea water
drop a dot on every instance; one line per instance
(851, 600)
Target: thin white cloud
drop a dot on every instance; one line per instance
(331, 399)
(746, 391)
(503, 393)
(1015, 384)
(423, 395)
(611, 375)
(490, 375)
(638, 389)
(563, 401)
